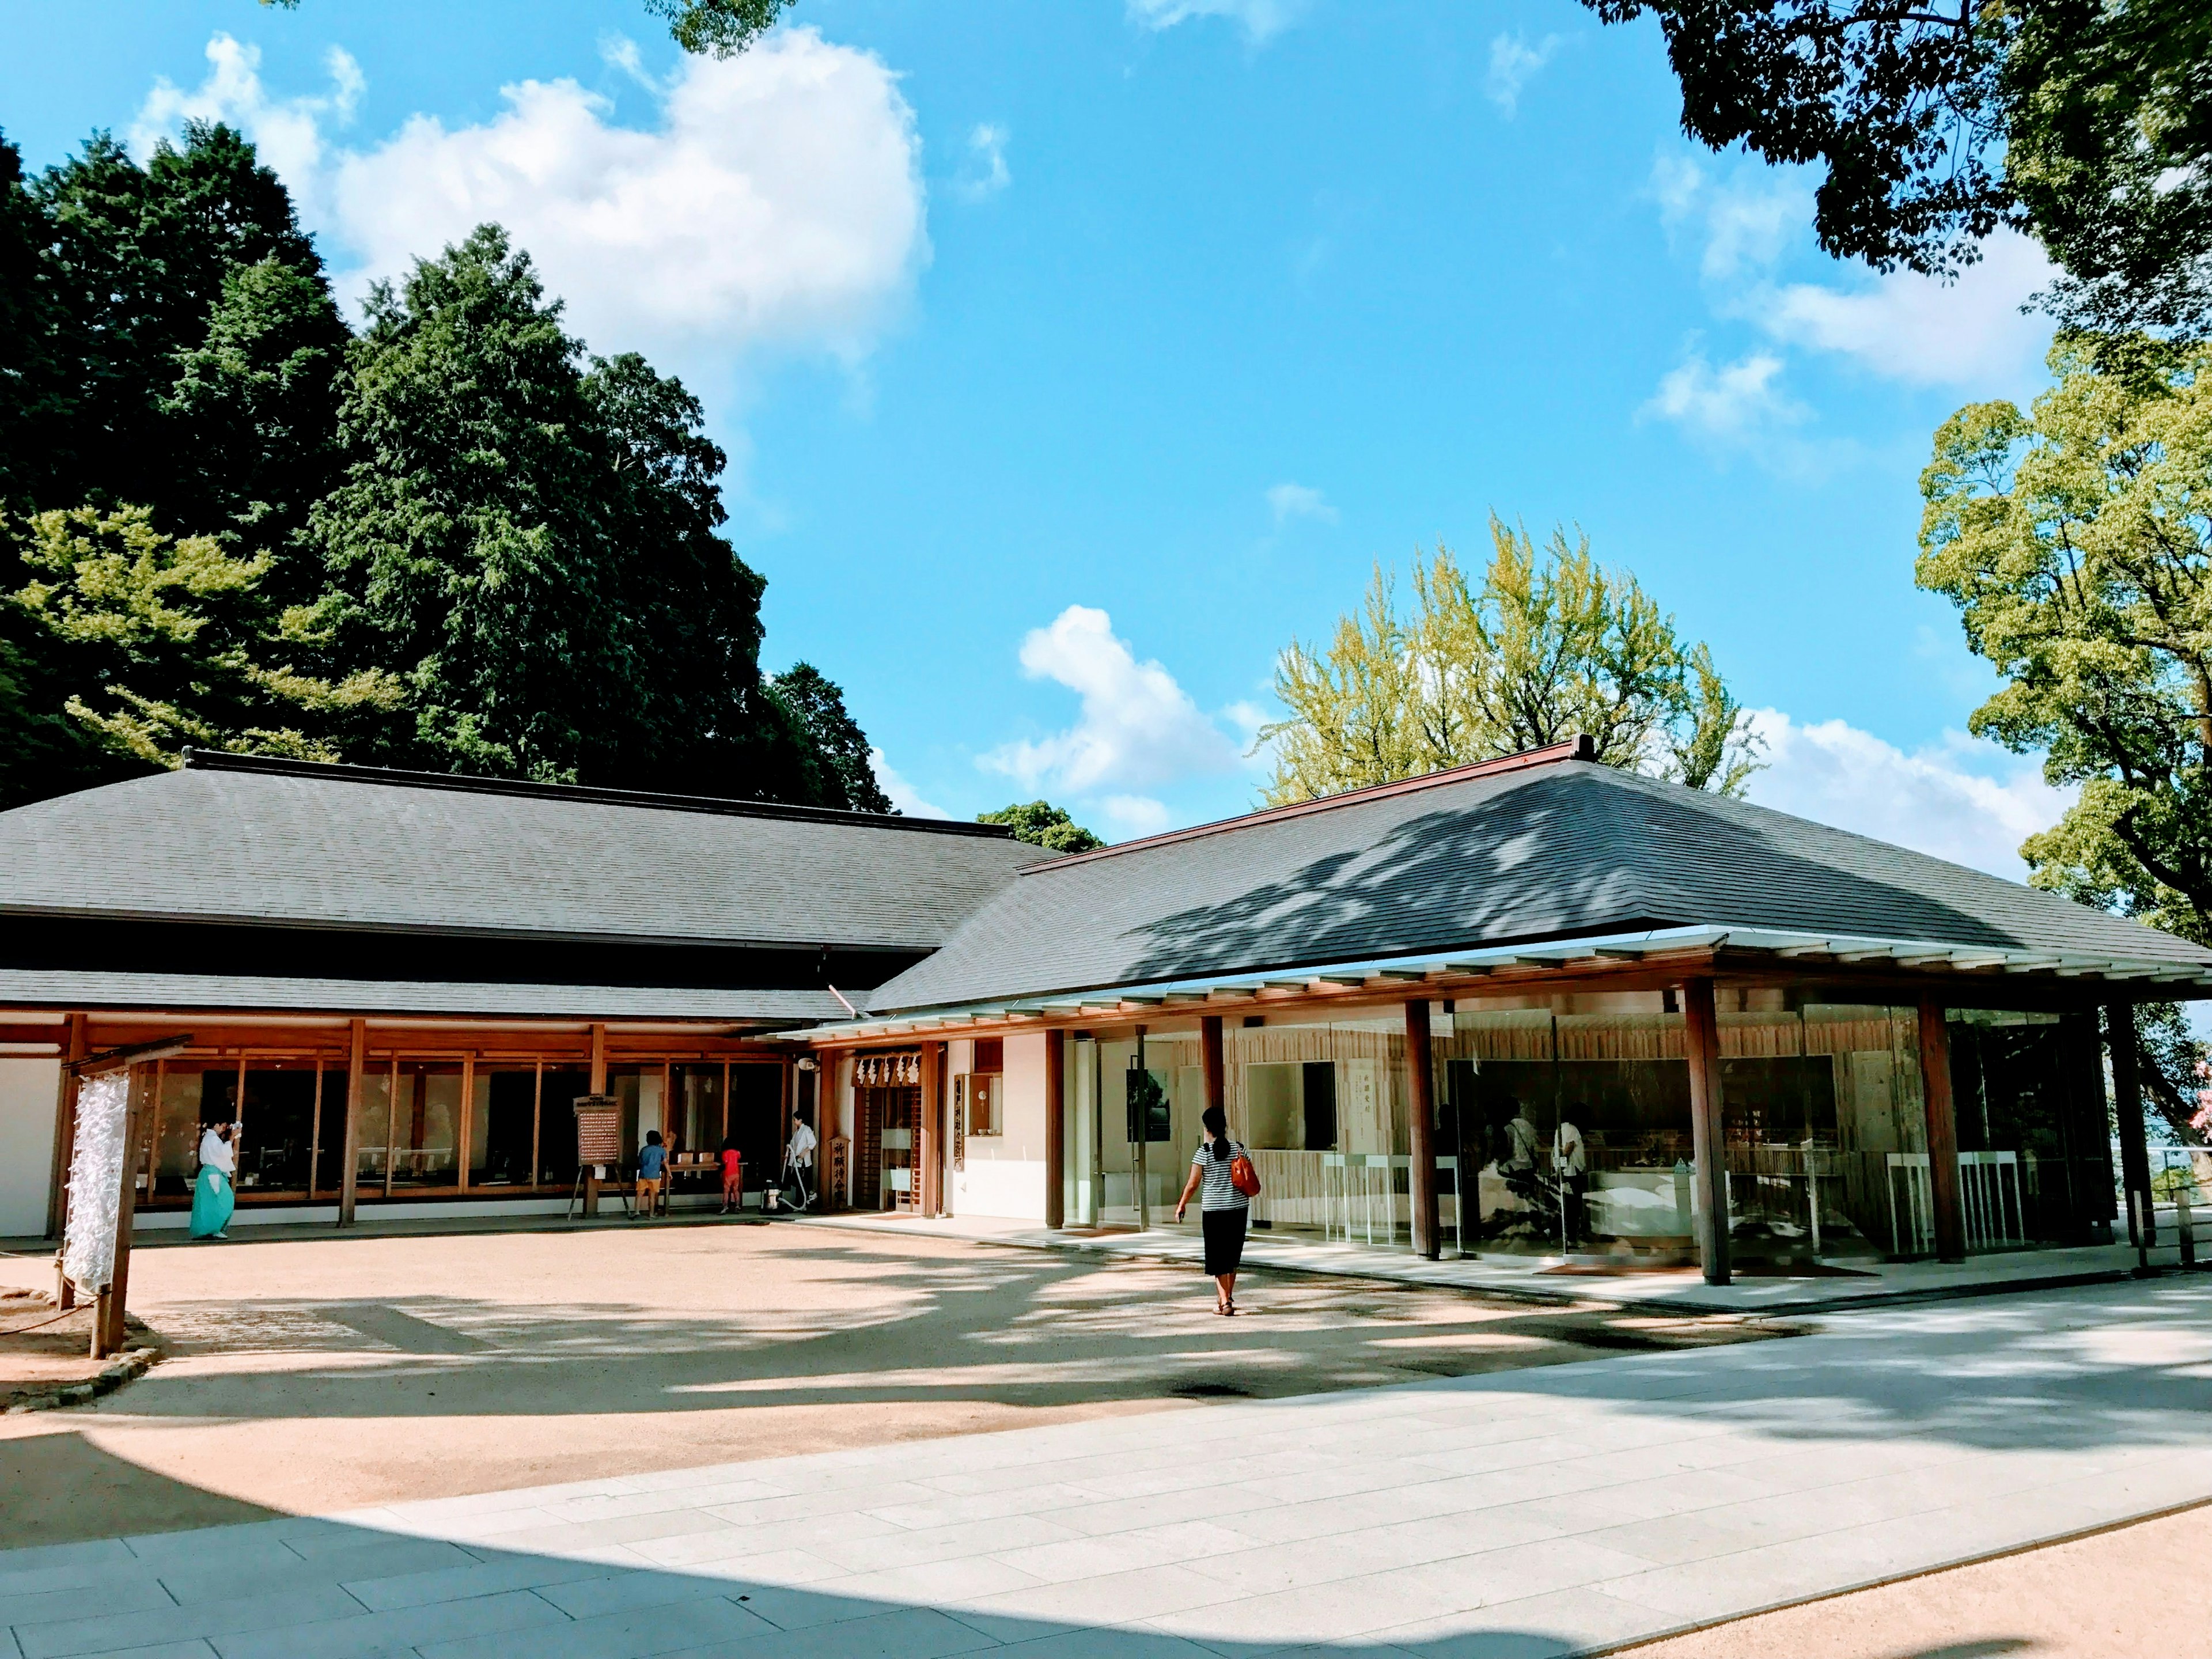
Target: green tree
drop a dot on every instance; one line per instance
(819, 705)
(719, 27)
(530, 548)
(2087, 123)
(1551, 645)
(2075, 540)
(166, 640)
(1043, 825)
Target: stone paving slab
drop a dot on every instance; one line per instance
(1550, 1511)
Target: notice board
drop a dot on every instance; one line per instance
(598, 1129)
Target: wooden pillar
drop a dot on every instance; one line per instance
(2128, 1118)
(356, 1085)
(108, 1327)
(1701, 1046)
(1942, 1133)
(1421, 1181)
(1214, 1068)
(1055, 1125)
(928, 1157)
(79, 1044)
(599, 1087)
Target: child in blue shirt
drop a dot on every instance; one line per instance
(651, 1170)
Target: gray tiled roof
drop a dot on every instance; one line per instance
(182, 993)
(336, 848)
(1569, 850)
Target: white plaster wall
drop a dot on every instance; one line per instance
(1005, 1173)
(28, 1089)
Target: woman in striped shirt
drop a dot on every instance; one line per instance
(1222, 1211)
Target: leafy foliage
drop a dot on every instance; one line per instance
(1043, 825)
(2172, 1058)
(835, 737)
(2076, 541)
(1551, 645)
(453, 543)
(530, 545)
(2087, 123)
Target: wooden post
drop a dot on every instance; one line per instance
(357, 1085)
(108, 1327)
(599, 1087)
(2128, 1117)
(1420, 1071)
(1942, 1133)
(78, 1046)
(929, 1165)
(1701, 1047)
(1055, 1127)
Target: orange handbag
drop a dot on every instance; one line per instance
(1242, 1176)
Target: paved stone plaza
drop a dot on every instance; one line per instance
(1516, 1514)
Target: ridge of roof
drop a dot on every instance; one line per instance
(209, 760)
(1580, 747)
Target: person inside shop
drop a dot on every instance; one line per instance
(1571, 1162)
(733, 1176)
(651, 1173)
(213, 1195)
(799, 1158)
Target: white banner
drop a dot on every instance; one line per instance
(95, 1179)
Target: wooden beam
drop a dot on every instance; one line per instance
(1055, 1128)
(1701, 1045)
(1942, 1133)
(2128, 1119)
(356, 1084)
(928, 1159)
(1421, 1104)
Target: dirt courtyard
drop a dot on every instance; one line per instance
(309, 1375)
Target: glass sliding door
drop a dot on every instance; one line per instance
(502, 1124)
(556, 1127)
(277, 1141)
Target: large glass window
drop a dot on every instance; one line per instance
(556, 1126)
(277, 1112)
(424, 1131)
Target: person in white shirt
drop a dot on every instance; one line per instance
(1571, 1160)
(213, 1195)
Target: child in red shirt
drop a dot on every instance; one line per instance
(733, 1177)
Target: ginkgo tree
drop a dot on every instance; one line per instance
(1549, 644)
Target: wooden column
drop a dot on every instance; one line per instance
(1056, 1124)
(357, 1085)
(599, 1087)
(928, 1162)
(1214, 1068)
(78, 1046)
(2128, 1118)
(108, 1326)
(1701, 1046)
(1421, 1105)
(1942, 1133)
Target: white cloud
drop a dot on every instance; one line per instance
(1966, 800)
(1297, 500)
(287, 131)
(987, 155)
(1735, 403)
(1261, 20)
(1916, 329)
(1742, 225)
(903, 795)
(1513, 64)
(774, 200)
(1137, 727)
(1136, 815)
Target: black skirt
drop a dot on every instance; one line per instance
(1225, 1238)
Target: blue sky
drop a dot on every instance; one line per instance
(1073, 357)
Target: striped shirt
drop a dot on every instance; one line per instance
(1216, 1191)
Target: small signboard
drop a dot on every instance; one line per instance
(598, 1129)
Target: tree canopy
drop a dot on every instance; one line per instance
(1043, 825)
(454, 542)
(1550, 644)
(2085, 123)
